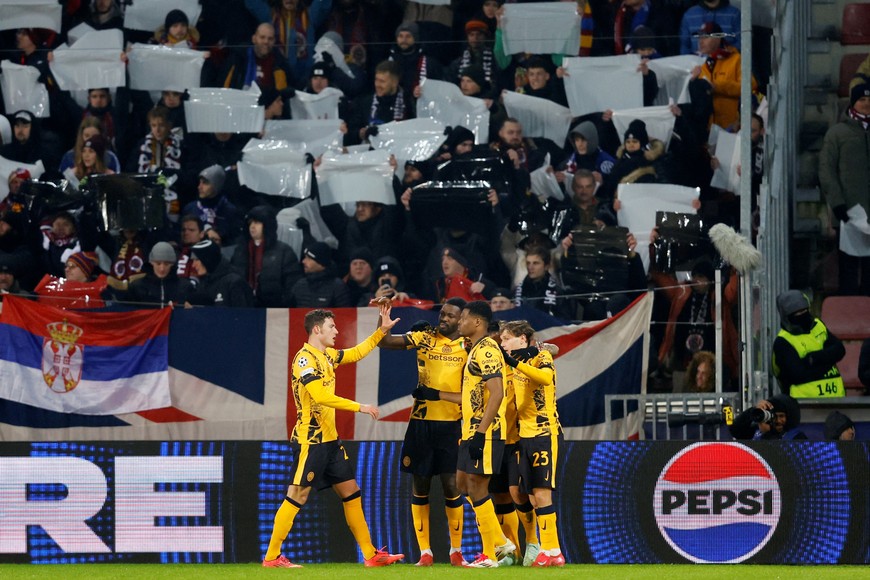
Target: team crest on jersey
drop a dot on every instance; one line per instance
(446, 349)
(62, 358)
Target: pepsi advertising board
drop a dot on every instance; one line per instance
(617, 502)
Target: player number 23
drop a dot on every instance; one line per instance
(540, 459)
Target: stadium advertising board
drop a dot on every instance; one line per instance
(617, 502)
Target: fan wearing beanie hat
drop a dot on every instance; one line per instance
(221, 219)
(805, 354)
(91, 161)
(82, 267)
(161, 285)
(844, 172)
(636, 157)
(218, 284)
(177, 31)
(319, 287)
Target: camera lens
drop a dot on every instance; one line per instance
(760, 415)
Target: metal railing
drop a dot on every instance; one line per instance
(674, 416)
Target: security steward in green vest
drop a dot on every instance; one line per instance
(805, 353)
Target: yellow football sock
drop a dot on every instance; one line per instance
(526, 514)
(283, 522)
(455, 515)
(509, 522)
(547, 526)
(356, 521)
(487, 524)
(420, 515)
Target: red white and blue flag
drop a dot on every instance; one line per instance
(228, 376)
(84, 363)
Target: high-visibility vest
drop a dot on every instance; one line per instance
(831, 385)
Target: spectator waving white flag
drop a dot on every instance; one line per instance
(594, 84)
(727, 152)
(673, 74)
(22, 90)
(92, 62)
(163, 68)
(275, 167)
(659, 122)
(541, 28)
(323, 105)
(359, 177)
(538, 117)
(224, 110)
(445, 102)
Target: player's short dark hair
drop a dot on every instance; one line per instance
(457, 302)
(316, 318)
(519, 328)
(480, 309)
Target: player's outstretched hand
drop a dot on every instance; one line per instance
(384, 308)
(370, 410)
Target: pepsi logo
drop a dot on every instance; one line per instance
(717, 503)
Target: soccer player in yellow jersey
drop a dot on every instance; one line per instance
(320, 460)
(482, 446)
(534, 382)
(430, 447)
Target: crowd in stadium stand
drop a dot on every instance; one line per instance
(222, 235)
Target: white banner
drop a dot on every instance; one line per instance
(659, 122)
(275, 167)
(325, 44)
(316, 136)
(538, 117)
(639, 203)
(411, 140)
(15, 14)
(22, 89)
(444, 101)
(162, 68)
(151, 14)
(594, 84)
(673, 74)
(727, 151)
(7, 167)
(323, 105)
(541, 28)
(544, 182)
(92, 62)
(224, 111)
(360, 177)
(855, 233)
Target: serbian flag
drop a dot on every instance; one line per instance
(88, 363)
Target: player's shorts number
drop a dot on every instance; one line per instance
(540, 458)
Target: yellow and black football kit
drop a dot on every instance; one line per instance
(485, 362)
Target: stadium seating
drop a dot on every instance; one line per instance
(848, 65)
(848, 317)
(856, 24)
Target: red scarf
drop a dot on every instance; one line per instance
(863, 119)
(255, 263)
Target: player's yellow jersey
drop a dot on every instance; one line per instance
(485, 361)
(312, 377)
(511, 419)
(535, 388)
(440, 361)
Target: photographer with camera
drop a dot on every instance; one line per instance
(771, 419)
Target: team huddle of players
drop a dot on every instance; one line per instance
(484, 384)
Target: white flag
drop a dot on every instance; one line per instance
(92, 62)
(22, 89)
(360, 177)
(538, 117)
(444, 101)
(163, 68)
(151, 14)
(15, 14)
(323, 105)
(224, 111)
(673, 74)
(414, 139)
(317, 136)
(659, 122)
(728, 153)
(594, 84)
(541, 28)
(275, 167)
(639, 203)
